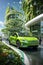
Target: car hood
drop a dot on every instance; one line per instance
(28, 38)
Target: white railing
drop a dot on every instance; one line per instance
(35, 20)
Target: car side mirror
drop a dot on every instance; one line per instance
(16, 34)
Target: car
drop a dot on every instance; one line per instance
(10, 55)
(20, 41)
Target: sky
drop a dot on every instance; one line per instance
(3, 5)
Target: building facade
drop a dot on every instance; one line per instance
(36, 8)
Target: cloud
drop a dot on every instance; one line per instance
(1, 25)
(20, 2)
(8, 3)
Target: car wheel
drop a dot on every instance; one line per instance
(9, 42)
(40, 41)
(18, 43)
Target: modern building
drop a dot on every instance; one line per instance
(35, 8)
(33, 22)
(42, 28)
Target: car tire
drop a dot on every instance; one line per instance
(18, 43)
(9, 42)
(40, 41)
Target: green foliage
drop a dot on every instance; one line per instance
(26, 8)
(31, 9)
(8, 9)
(35, 7)
(8, 56)
(14, 22)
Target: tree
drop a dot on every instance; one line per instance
(26, 8)
(32, 8)
(14, 22)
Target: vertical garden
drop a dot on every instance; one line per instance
(31, 9)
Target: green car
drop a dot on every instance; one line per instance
(23, 41)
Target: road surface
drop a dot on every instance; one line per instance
(36, 56)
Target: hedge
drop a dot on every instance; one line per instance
(8, 56)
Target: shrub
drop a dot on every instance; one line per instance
(8, 56)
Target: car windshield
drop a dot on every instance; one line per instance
(22, 34)
(25, 35)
